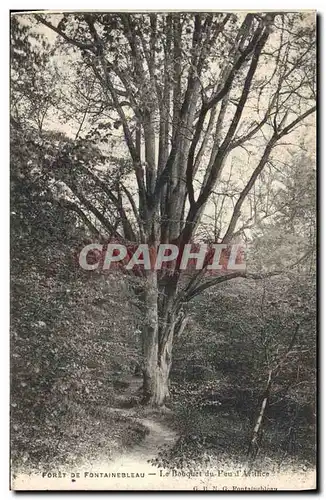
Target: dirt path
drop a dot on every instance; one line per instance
(159, 435)
(131, 470)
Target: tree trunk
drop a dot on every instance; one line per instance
(156, 376)
(254, 443)
(162, 323)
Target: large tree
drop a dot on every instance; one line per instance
(193, 107)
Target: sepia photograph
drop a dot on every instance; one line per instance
(163, 238)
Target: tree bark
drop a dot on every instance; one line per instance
(254, 443)
(156, 376)
(162, 323)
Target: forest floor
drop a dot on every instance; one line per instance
(158, 432)
(138, 435)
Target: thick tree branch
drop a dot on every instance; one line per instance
(273, 141)
(72, 41)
